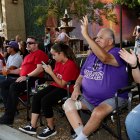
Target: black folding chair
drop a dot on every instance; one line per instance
(117, 112)
(28, 93)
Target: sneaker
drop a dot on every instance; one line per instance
(74, 136)
(28, 129)
(47, 132)
(6, 119)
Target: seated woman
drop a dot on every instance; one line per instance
(65, 70)
(133, 118)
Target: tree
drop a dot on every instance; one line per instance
(129, 3)
(133, 4)
(95, 10)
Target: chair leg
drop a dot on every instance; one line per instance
(118, 118)
(107, 128)
(28, 100)
(119, 127)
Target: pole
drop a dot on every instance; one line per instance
(120, 26)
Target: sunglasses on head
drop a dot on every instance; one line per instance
(30, 43)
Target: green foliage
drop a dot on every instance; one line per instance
(76, 8)
(129, 3)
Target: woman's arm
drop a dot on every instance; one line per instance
(49, 70)
(132, 60)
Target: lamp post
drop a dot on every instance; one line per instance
(120, 26)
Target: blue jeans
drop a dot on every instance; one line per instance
(132, 123)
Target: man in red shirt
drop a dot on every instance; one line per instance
(11, 88)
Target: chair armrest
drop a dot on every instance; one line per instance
(127, 88)
(122, 90)
(72, 82)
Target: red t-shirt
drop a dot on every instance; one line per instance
(31, 60)
(68, 71)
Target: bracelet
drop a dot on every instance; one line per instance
(136, 65)
(27, 77)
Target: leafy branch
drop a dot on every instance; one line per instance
(129, 3)
(95, 10)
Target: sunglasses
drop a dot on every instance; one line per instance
(30, 43)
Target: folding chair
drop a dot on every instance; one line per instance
(116, 112)
(25, 97)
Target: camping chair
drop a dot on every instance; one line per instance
(117, 112)
(25, 97)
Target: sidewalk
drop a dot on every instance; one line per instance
(8, 133)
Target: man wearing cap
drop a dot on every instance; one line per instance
(14, 60)
(31, 67)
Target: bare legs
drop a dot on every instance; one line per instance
(34, 118)
(98, 114)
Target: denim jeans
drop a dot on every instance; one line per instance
(133, 123)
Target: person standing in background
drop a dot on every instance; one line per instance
(18, 38)
(47, 40)
(137, 42)
(135, 32)
(63, 37)
(22, 48)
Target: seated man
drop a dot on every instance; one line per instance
(101, 75)
(14, 59)
(11, 88)
(13, 62)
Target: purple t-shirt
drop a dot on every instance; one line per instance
(101, 81)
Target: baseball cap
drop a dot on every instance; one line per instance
(13, 44)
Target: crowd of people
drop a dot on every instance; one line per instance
(95, 85)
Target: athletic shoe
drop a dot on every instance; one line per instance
(47, 132)
(28, 129)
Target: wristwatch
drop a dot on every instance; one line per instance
(27, 77)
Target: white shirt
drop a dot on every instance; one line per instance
(47, 39)
(14, 60)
